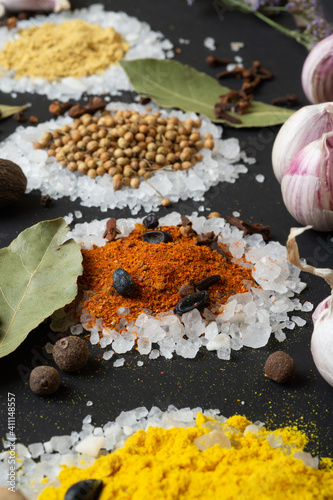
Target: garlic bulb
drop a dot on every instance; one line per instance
(304, 126)
(322, 343)
(307, 184)
(322, 336)
(317, 72)
(33, 5)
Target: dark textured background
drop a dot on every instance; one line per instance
(205, 381)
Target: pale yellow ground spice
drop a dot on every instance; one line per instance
(165, 464)
(72, 48)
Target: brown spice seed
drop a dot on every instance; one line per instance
(280, 367)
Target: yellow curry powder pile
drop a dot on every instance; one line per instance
(159, 270)
(172, 464)
(72, 48)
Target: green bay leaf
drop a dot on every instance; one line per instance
(174, 85)
(6, 111)
(38, 274)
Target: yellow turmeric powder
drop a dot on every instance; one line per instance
(72, 48)
(167, 464)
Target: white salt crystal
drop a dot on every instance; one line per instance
(211, 331)
(307, 459)
(194, 325)
(87, 419)
(307, 306)
(123, 310)
(236, 46)
(219, 342)
(299, 321)
(235, 213)
(36, 449)
(154, 354)
(280, 335)
(184, 41)
(76, 329)
(260, 178)
(108, 355)
(119, 362)
(209, 440)
(78, 214)
(224, 353)
(61, 443)
(209, 43)
(94, 338)
(140, 363)
(256, 335)
(90, 446)
(89, 403)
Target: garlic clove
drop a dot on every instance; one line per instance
(304, 126)
(322, 346)
(307, 185)
(320, 308)
(322, 336)
(33, 5)
(317, 72)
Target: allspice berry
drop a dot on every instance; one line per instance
(13, 182)
(280, 367)
(44, 380)
(70, 353)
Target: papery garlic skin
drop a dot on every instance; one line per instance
(304, 126)
(320, 308)
(35, 5)
(317, 72)
(322, 345)
(307, 185)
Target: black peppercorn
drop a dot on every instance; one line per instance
(150, 221)
(70, 353)
(280, 367)
(44, 380)
(89, 489)
(123, 282)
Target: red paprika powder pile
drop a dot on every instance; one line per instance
(159, 270)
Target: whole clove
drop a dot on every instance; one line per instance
(250, 228)
(111, 230)
(56, 108)
(287, 100)
(214, 61)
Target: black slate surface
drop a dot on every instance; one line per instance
(237, 386)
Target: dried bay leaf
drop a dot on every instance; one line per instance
(174, 85)
(6, 111)
(38, 274)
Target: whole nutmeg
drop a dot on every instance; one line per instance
(5, 494)
(13, 182)
(70, 353)
(280, 367)
(44, 380)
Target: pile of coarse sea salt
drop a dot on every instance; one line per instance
(80, 449)
(142, 40)
(222, 164)
(247, 319)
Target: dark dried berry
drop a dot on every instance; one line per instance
(44, 380)
(89, 489)
(123, 282)
(198, 300)
(157, 237)
(70, 353)
(280, 367)
(150, 222)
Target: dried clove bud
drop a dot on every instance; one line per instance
(111, 231)
(46, 201)
(214, 62)
(287, 100)
(250, 228)
(144, 100)
(56, 108)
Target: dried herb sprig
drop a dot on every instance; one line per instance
(307, 13)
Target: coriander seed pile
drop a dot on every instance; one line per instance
(126, 145)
